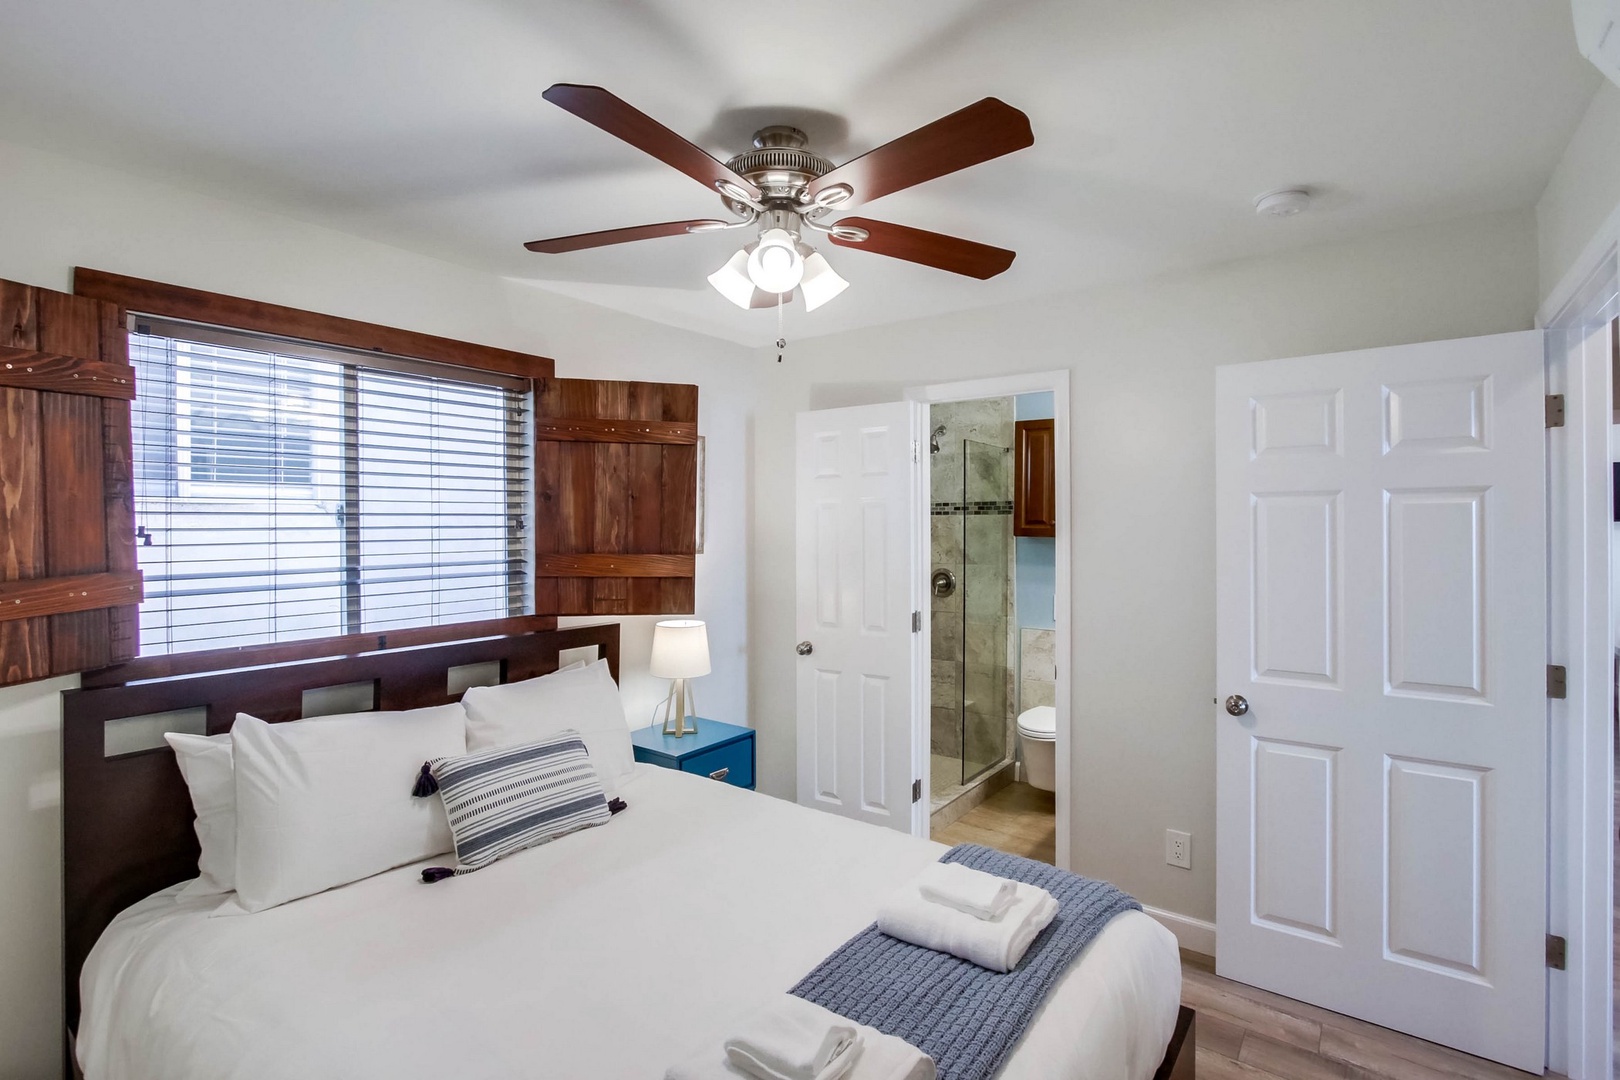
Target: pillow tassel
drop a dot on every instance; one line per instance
(437, 873)
(425, 784)
(615, 805)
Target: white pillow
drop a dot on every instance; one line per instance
(321, 805)
(205, 762)
(585, 699)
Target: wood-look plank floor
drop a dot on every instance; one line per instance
(1019, 819)
(1249, 1034)
(1243, 1033)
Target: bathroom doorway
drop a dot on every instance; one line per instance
(992, 632)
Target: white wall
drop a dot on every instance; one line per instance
(1582, 194)
(1143, 358)
(56, 214)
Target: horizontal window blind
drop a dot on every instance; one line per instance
(289, 491)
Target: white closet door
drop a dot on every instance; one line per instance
(859, 693)
(1381, 588)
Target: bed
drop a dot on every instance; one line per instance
(608, 953)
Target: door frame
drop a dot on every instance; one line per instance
(1581, 734)
(1057, 382)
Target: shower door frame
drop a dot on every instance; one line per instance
(1057, 382)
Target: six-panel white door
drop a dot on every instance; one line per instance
(1381, 606)
(859, 694)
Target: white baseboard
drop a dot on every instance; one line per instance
(1194, 935)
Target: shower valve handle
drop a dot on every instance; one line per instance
(943, 582)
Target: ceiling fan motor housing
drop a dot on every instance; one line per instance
(779, 165)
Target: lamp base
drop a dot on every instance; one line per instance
(676, 720)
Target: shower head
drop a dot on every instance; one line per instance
(933, 440)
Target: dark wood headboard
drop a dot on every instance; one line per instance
(127, 820)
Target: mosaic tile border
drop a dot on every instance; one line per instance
(946, 509)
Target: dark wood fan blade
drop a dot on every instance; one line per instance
(984, 130)
(934, 249)
(596, 106)
(579, 241)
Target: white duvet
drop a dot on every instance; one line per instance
(607, 953)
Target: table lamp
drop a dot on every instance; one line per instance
(680, 651)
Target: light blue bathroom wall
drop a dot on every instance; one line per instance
(1037, 582)
(1034, 406)
(1036, 555)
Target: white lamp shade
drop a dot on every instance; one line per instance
(732, 280)
(775, 264)
(680, 649)
(821, 282)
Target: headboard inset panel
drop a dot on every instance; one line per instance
(127, 819)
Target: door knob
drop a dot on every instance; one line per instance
(804, 648)
(1237, 704)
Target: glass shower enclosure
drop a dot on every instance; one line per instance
(970, 586)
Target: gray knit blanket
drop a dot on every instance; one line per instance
(963, 1016)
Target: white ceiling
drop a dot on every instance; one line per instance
(420, 123)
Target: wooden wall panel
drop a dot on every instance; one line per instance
(615, 475)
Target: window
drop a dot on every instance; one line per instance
(289, 491)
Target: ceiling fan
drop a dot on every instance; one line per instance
(787, 191)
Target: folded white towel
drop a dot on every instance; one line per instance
(874, 1056)
(792, 1039)
(982, 895)
(997, 944)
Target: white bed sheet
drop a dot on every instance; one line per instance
(608, 953)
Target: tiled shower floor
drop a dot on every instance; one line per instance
(945, 780)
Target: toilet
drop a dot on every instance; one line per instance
(1037, 741)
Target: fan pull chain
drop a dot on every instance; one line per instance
(781, 341)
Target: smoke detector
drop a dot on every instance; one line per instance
(1284, 202)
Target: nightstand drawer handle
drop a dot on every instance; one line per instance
(720, 774)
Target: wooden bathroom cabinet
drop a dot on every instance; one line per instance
(1034, 489)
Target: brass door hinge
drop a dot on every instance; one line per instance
(916, 791)
(1557, 951)
(1555, 410)
(1557, 681)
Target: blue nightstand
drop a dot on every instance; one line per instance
(719, 751)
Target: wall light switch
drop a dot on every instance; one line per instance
(1178, 848)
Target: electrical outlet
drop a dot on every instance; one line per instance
(1178, 848)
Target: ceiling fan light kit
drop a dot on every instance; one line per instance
(783, 189)
(775, 264)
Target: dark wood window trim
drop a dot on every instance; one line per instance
(216, 309)
(234, 312)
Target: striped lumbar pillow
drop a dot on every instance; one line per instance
(514, 797)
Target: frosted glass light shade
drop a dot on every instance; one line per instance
(776, 265)
(680, 649)
(821, 282)
(732, 281)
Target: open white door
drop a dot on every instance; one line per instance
(859, 686)
(1381, 607)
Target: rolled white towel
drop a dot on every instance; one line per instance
(874, 1056)
(998, 944)
(982, 895)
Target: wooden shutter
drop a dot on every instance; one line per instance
(615, 497)
(68, 580)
